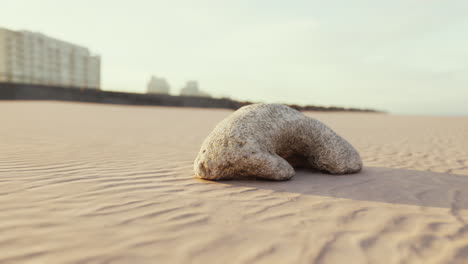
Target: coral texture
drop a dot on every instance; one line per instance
(267, 141)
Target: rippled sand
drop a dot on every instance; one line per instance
(85, 183)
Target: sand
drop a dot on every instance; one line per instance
(87, 183)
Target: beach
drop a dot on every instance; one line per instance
(92, 183)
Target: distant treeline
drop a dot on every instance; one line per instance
(15, 91)
(321, 108)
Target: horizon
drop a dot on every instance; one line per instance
(403, 57)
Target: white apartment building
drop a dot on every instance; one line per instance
(33, 58)
(158, 86)
(191, 89)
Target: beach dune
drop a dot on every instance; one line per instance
(89, 183)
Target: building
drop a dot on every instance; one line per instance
(158, 86)
(191, 89)
(33, 58)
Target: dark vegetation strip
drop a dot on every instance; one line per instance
(15, 91)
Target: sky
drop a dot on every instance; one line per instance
(401, 56)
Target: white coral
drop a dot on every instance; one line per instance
(267, 140)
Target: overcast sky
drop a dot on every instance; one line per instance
(403, 56)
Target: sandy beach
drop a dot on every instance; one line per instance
(89, 183)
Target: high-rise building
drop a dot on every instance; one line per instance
(158, 86)
(191, 89)
(33, 58)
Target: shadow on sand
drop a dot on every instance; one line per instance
(396, 186)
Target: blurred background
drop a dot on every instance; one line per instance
(402, 56)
